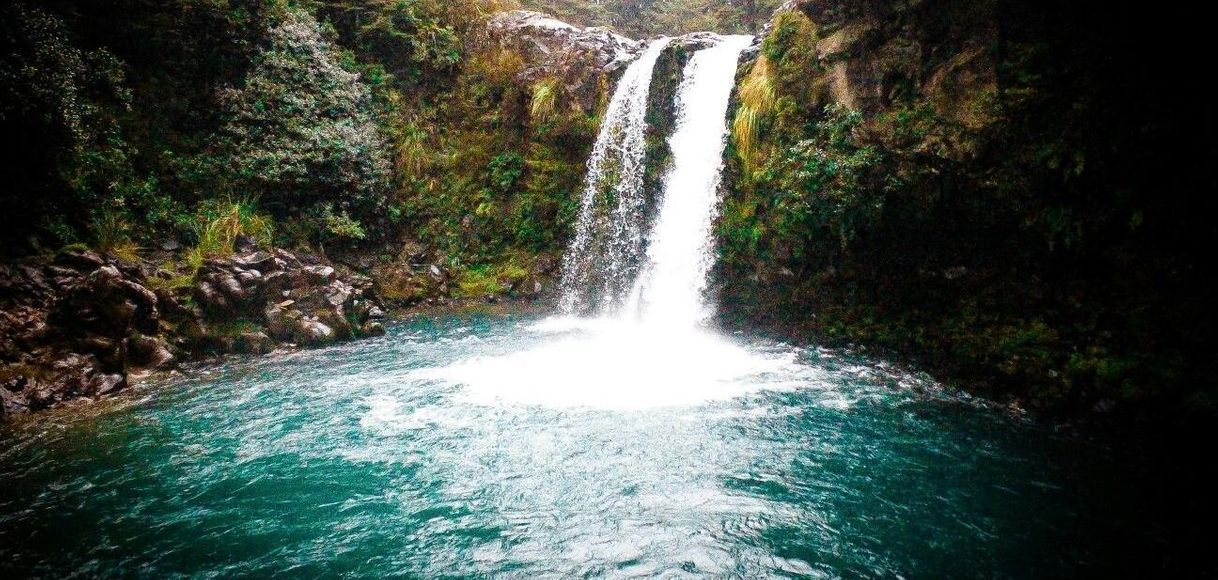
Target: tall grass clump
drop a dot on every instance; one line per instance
(218, 224)
(757, 98)
(544, 100)
(112, 235)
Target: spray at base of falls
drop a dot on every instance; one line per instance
(647, 348)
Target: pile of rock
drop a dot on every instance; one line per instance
(72, 328)
(79, 325)
(296, 297)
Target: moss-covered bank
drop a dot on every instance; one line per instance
(1002, 190)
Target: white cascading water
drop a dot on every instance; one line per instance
(670, 290)
(603, 258)
(647, 349)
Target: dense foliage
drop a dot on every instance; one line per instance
(299, 130)
(1016, 208)
(339, 122)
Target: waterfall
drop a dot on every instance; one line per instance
(670, 290)
(602, 260)
(606, 269)
(646, 346)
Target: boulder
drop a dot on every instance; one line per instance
(208, 295)
(149, 353)
(373, 329)
(258, 260)
(313, 332)
(231, 287)
(320, 274)
(551, 44)
(108, 304)
(254, 343)
(282, 321)
(81, 260)
(106, 384)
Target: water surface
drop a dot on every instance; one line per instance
(514, 445)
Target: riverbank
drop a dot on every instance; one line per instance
(84, 325)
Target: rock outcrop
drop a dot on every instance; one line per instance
(579, 63)
(873, 53)
(81, 324)
(552, 46)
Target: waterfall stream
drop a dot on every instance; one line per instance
(601, 262)
(670, 289)
(645, 347)
(607, 270)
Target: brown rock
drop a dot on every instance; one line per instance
(150, 353)
(254, 343)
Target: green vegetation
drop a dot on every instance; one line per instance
(347, 122)
(486, 280)
(981, 212)
(218, 223)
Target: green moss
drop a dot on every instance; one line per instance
(233, 328)
(489, 279)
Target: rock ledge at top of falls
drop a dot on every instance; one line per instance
(552, 47)
(551, 44)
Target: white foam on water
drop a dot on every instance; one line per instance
(619, 365)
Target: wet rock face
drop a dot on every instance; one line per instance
(872, 53)
(582, 61)
(297, 299)
(107, 303)
(78, 326)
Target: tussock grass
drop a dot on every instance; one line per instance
(757, 98)
(112, 235)
(219, 223)
(544, 101)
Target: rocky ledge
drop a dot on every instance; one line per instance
(552, 45)
(81, 325)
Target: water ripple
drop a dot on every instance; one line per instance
(441, 450)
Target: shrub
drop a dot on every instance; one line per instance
(300, 131)
(340, 225)
(217, 224)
